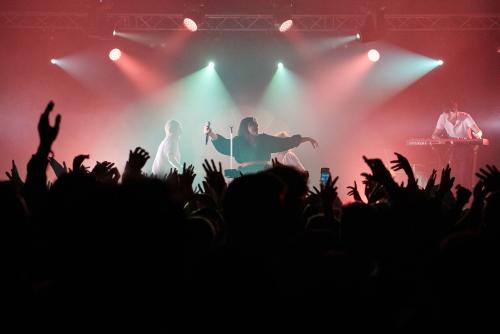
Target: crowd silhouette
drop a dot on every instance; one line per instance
(264, 246)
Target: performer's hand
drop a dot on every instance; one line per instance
(207, 130)
(313, 142)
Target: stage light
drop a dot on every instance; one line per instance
(373, 55)
(193, 13)
(285, 26)
(440, 62)
(280, 65)
(190, 24)
(53, 61)
(358, 36)
(211, 65)
(115, 54)
(114, 33)
(283, 14)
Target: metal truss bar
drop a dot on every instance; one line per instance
(264, 22)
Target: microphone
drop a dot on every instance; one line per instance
(206, 136)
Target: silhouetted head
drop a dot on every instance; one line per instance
(173, 128)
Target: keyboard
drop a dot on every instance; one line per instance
(446, 141)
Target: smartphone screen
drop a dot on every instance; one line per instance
(324, 175)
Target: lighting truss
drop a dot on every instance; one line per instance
(264, 22)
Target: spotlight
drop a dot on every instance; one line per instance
(114, 33)
(285, 26)
(283, 14)
(358, 36)
(440, 62)
(190, 24)
(211, 65)
(193, 13)
(53, 61)
(373, 55)
(280, 65)
(115, 54)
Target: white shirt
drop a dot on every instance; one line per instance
(168, 149)
(460, 128)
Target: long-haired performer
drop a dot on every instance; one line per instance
(253, 150)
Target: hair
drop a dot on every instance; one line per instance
(173, 127)
(243, 129)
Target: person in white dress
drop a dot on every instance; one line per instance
(289, 158)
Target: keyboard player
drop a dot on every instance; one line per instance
(454, 123)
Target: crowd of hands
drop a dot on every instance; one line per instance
(378, 182)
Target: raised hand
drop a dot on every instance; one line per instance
(327, 192)
(47, 132)
(431, 182)
(446, 182)
(14, 176)
(186, 180)
(57, 167)
(380, 173)
(354, 192)
(490, 177)
(215, 178)
(402, 163)
(77, 164)
(137, 159)
(106, 172)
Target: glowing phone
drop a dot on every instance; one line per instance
(324, 175)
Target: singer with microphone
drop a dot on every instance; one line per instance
(251, 149)
(168, 155)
